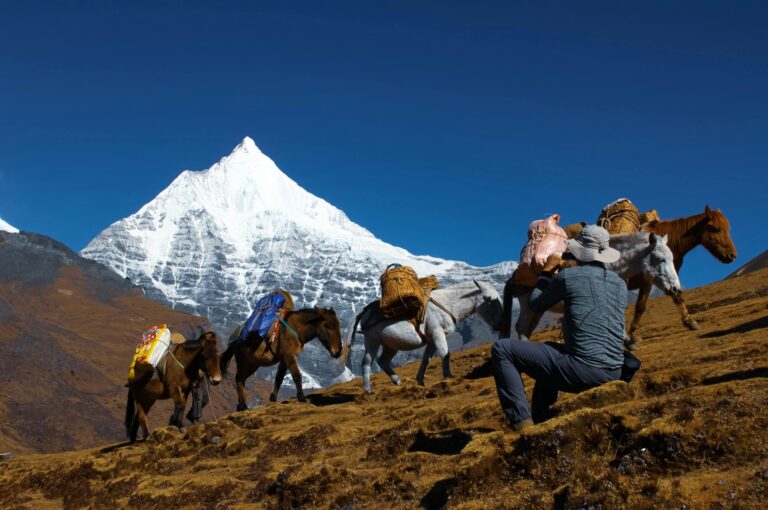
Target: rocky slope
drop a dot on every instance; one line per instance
(691, 431)
(68, 330)
(215, 240)
(756, 263)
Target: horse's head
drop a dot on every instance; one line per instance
(211, 356)
(329, 330)
(490, 309)
(716, 237)
(659, 262)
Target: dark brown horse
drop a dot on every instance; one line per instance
(184, 366)
(304, 325)
(709, 229)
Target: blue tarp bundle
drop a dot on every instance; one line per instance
(264, 314)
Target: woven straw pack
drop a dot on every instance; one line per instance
(620, 217)
(401, 292)
(649, 216)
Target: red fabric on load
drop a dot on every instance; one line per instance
(545, 237)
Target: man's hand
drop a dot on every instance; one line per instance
(553, 263)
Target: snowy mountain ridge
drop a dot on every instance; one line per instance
(215, 240)
(7, 227)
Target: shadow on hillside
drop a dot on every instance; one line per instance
(117, 446)
(481, 371)
(438, 495)
(321, 400)
(736, 376)
(442, 443)
(762, 322)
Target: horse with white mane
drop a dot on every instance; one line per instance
(446, 307)
(642, 254)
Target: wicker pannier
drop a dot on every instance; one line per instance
(429, 283)
(401, 292)
(649, 216)
(620, 217)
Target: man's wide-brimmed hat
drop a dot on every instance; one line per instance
(592, 245)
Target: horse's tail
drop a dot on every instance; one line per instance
(506, 317)
(130, 413)
(351, 337)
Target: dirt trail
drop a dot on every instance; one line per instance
(691, 431)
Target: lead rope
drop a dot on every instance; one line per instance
(444, 309)
(210, 398)
(170, 351)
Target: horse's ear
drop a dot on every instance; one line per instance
(652, 239)
(478, 284)
(708, 211)
(665, 238)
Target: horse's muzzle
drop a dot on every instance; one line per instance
(215, 380)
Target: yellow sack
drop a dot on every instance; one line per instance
(155, 343)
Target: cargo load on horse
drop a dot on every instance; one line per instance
(404, 294)
(545, 237)
(622, 217)
(152, 348)
(266, 318)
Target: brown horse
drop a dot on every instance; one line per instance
(709, 229)
(304, 325)
(184, 366)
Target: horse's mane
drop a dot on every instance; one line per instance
(680, 228)
(301, 311)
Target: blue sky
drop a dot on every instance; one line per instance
(483, 115)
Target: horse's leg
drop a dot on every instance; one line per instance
(178, 407)
(281, 368)
(527, 320)
(385, 362)
(240, 382)
(371, 348)
(447, 374)
(429, 351)
(642, 299)
(143, 405)
(689, 321)
(293, 368)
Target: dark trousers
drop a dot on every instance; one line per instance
(553, 369)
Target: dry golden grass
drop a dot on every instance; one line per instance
(691, 431)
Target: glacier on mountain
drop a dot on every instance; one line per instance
(7, 227)
(215, 240)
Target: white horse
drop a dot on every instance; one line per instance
(447, 307)
(642, 253)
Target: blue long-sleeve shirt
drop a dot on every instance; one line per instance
(595, 300)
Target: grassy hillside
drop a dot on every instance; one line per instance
(691, 431)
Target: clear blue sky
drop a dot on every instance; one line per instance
(483, 115)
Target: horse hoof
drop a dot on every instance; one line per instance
(692, 324)
(420, 383)
(301, 398)
(396, 380)
(272, 397)
(241, 407)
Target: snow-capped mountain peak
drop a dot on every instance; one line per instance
(215, 240)
(7, 227)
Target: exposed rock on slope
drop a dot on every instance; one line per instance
(756, 263)
(690, 431)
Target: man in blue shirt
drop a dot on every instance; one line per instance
(593, 328)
